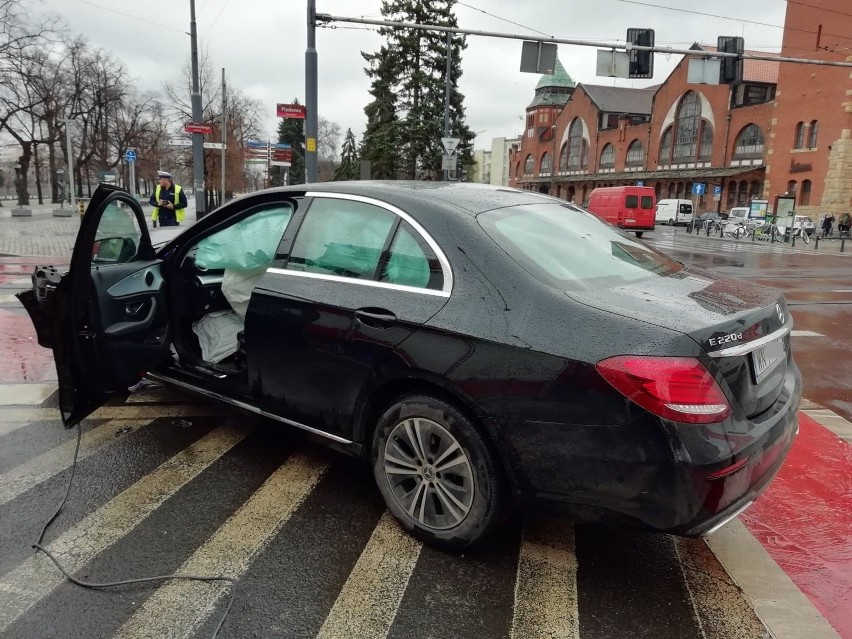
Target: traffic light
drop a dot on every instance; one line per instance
(641, 62)
(732, 68)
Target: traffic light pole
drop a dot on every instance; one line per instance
(197, 117)
(311, 97)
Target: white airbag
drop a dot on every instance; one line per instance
(217, 335)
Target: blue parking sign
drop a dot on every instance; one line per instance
(698, 188)
(717, 190)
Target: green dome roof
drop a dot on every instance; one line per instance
(560, 78)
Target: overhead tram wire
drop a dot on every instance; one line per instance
(216, 19)
(517, 24)
(130, 15)
(721, 17)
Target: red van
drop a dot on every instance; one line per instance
(631, 208)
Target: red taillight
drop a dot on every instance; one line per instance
(676, 388)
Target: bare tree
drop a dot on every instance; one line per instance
(328, 145)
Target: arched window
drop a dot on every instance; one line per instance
(578, 148)
(705, 148)
(687, 127)
(805, 194)
(528, 165)
(749, 143)
(563, 157)
(608, 157)
(742, 194)
(544, 165)
(813, 135)
(635, 154)
(666, 146)
(799, 140)
(791, 187)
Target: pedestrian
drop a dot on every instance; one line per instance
(168, 200)
(844, 224)
(827, 223)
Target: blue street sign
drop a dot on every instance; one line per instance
(698, 188)
(130, 156)
(717, 190)
(640, 182)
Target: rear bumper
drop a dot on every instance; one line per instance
(664, 479)
(626, 227)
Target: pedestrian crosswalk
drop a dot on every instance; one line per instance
(303, 532)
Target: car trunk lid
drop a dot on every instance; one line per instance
(742, 328)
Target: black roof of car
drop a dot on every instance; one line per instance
(465, 196)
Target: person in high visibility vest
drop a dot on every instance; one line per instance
(168, 200)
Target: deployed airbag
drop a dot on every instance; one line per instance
(246, 245)
(217, 335)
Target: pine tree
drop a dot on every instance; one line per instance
(292, 132)
(349, 168)
(380, 145)
(412, 64)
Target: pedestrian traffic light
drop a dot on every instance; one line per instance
(641, 62)
(731, 68)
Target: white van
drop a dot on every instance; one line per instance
(673, 212)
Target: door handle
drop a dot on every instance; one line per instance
(122, 329)
(375, 317)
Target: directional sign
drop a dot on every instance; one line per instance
(214, 145)
(198, 128)
(180, 142)
(292, 111)
(698, 188)
(450, 144)
(448, 162)
(130, 156)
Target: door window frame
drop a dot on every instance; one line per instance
(401, 215)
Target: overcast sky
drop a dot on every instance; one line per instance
(261, 43)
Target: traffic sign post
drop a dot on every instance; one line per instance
(130, 158)
(717, 193)
(203, 129)
(450, 144)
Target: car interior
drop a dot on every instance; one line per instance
(211, 290)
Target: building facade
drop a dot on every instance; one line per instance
(785, 128)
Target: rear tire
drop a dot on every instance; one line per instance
(639, 233)
(671, 222)
(437, 474)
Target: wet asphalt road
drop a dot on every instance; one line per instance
(167, 482)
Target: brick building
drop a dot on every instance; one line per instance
(753, 140)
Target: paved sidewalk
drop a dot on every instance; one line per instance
(829, 246)
(44, 235)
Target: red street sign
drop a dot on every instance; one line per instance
(198, 128)
(292, 111)
(282, 155)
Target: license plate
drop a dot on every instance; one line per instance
(766, 358)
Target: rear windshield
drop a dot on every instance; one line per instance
(686, 208)
(569, 248)
(647, 202)
(632, 202)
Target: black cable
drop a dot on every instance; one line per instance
(232, 583)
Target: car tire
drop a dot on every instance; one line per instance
(671, 222)
(451, 510)
(639, 233)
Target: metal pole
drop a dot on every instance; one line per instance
(70, 162)
(224, 135)
(197, 116)
(311, 98)
(448, 87)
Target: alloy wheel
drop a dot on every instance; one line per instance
(429, 473)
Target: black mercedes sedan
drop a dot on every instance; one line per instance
(483, 349)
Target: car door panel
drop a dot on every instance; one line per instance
(106, 319)
(313, 344)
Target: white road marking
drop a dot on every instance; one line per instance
(832, 421)
(805, 334)
(19, 394)
(780, 605)
(370, 598)
(842, 291)
(115, 412)
(37, 577)
(9, 299)
(22, 478)
(546, 583)
(177, 608)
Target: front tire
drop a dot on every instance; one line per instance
(437, 474)
(639, 233)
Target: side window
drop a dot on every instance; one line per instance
(341, 237)
(248, 244)
(647, 202)
(411, 262)
(632, 202)
(118, 235)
